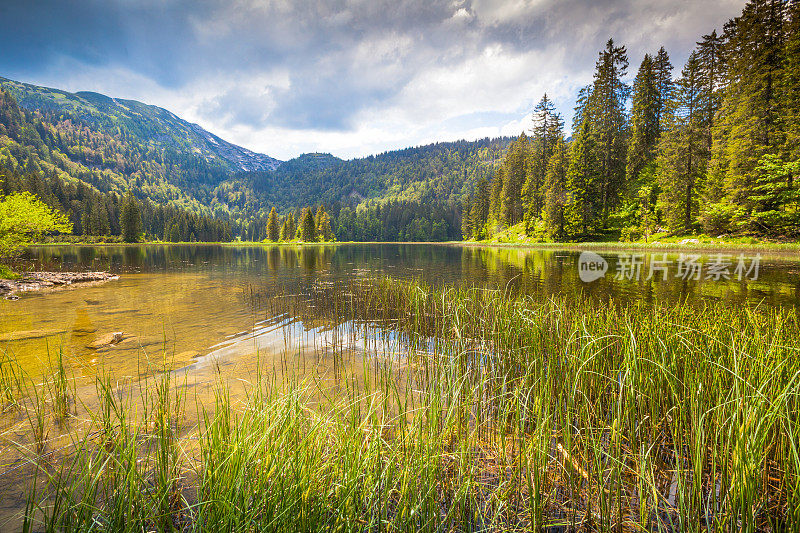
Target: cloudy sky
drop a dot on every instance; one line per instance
(350, 77)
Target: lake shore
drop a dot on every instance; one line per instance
(639, 246)
(688, 244)
(41, 281)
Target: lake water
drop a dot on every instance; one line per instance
(188, 301)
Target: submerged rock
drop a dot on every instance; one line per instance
(109, 339)
(37, 281)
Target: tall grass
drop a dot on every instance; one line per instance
(470, 410)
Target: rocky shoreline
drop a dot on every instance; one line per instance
(39, 281)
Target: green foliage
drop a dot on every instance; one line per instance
(131, 218)
(23, 218)
(716, 148)
(683, 152)
(307, 231)
(556, 195)
(273, 234)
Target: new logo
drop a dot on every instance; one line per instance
(591, 267)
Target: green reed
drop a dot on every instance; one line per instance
(469, 410)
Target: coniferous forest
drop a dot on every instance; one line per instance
(707, 147)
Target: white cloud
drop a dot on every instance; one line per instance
(356, 76)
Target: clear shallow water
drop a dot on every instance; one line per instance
(188, 301)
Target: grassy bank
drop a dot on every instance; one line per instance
(672, 245)
(470, 410)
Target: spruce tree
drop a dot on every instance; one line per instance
(285, 234)
(605, 112)
(547, 128)
(556, 192)
(710, 49)
(273, 233)
(291, 227)
(480, 210)
(466, 218)
(496, 199)
(583, 206)
(307, 232)
(790, 86)
(645, 119)
(662, 68)
(749, 125)
(324, 230)
(131, 219)
(683, 152)
(516, 166)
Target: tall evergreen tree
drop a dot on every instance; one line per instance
(480, 209)
(547, 128)
(131, 218)
(790, 86)
(556, 192)
(496, 199)
(583, 204)
(307, 231)
(273, 232)
(516, 166)
(683, 151)
(466, 218)
(645, 119)
(323, 225)
(662, 68)
(749, 126)
(652, 89)
(712, 63)
(605, 112)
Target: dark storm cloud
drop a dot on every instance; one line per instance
(316, 65)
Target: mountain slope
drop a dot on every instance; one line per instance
(441, 173)
(81, 151)
(149, 124)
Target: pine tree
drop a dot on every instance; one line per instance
(285, 235)
(496, 199)
(710, 49)
(323, 225)
(583, 206)
(291, 227)
(555, 192)
(273, 233)
(131, 219)
(662, 68)
(790, 86)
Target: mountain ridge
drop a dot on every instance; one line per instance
(91, 107)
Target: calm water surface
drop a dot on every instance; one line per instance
(189, 301)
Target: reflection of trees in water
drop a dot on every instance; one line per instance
(522, 271)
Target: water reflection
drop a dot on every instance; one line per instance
(183, 299)
(530, 271)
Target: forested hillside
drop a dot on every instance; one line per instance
(81, 152)
(714, 149)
